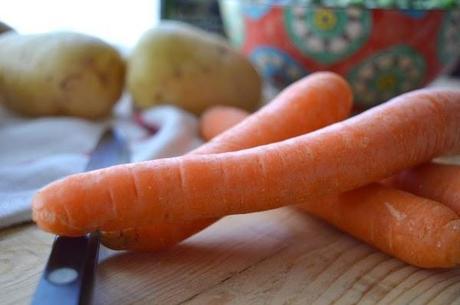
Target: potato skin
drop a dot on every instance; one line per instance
(179, 64)
(59, 73)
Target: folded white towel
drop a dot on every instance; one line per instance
(34, 152)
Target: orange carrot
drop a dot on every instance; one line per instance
(216, 122)
(440, 182)
(217, 119)
(411, 129)
(309, 104)
(416, 230)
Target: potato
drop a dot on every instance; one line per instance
(59, 73)
(185, 66)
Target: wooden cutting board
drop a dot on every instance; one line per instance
(277, 257)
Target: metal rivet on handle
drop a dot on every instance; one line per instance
(62, 276)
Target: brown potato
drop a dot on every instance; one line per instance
(59, 73)
(185, 66)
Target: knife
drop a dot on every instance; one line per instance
(69, 273)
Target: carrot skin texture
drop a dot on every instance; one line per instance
(416, 230)
(153, 237)
(411, 129)
(161, 236)
(440, 182)
(309, 104)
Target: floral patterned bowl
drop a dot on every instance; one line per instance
(382, 52)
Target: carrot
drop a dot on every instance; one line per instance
(311, 103)
(416, 230)
(411, 129)
(217, 119)
(440, 182)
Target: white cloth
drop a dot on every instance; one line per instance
(34, 152)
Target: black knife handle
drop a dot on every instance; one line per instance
(68, 277)
(69, 273)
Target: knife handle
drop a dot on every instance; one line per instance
(68, 277)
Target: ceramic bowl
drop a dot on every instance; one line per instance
(382, 52)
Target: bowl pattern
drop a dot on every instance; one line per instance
(326, 35)
(381, 52)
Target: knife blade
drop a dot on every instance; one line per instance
(69, 273)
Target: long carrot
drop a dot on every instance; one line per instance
(309, 104)
(416, 230)
(217, 119)
(409, 130)
(440, 182)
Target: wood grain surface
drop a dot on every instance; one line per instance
(277, 257)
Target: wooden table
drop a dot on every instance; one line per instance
(276, 257)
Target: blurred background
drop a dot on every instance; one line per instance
(121, 24)
(284, 39)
